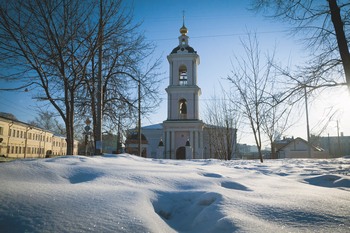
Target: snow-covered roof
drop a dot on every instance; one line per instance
(153, 127)
(316, 148)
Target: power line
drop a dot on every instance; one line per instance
(12, 105)
(225, 35)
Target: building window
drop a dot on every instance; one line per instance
(183, 75)
(183, 109)
(1, 130)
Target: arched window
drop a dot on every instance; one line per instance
(183, 109)
(182, 75)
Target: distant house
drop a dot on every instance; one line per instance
(245, 151)
(132, 142)
(337, 146)
(298, 148)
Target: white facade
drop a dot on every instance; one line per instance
(183, 125)
(153, 133)
(182, 135)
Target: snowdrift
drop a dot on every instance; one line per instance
(124, 193)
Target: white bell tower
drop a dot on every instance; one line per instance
(183, 130)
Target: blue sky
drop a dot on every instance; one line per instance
(215, 29)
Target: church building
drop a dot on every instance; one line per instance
(182, 135)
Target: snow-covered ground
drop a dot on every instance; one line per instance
(124, 193)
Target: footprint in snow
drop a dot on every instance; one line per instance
(234, 185)
(212, 175)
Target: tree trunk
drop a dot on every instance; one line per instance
(99, 97)
(260, 155)
(70, 121)
(70, 140)
(228, 141)
(273, 151)
(69, 135)
(341, 38)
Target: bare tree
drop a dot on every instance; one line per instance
(40, 46)
(8, 115)
(325, 28)
(48, 120)
(55, 49)
(257, 97)
(221, 118)
(126, 64)
(275, 120)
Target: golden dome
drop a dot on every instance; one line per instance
(183, 30)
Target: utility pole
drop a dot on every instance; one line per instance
(98, 133)
(307, 122)
(139, 120)
(119, 146)
(339, 148)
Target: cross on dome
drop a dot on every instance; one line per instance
(183, 29)
(183, 46)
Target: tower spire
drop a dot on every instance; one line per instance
(183, 18)
(183, 29)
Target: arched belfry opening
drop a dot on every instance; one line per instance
(183, 109)
(182, 75)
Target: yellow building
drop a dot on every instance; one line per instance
(21, 140)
